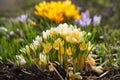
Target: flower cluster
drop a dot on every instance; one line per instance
(57, 11)
(61, 43)
(86, 20)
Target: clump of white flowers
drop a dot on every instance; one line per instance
(61, 44)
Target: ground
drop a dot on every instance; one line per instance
(9, 71)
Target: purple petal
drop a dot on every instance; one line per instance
(85, 14)
(84, 22)
(96, 20)
(22, 18)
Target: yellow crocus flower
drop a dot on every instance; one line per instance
(62, 50)
(47, 47)
(77, 35)
(83, 46)
(58, 43)
(69, 51)
(27, 50)
(89, 48)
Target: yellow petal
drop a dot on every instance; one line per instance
(90, 60)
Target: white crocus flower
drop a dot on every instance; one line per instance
(38, 38)
(62, 27)
(36, 44)
(44, 35)
(42, 57)
(65, 31)
(20, 59)
(53, 31)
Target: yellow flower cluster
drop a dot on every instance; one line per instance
(57, 11)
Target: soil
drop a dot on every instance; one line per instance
(11, 72)
(113, 74)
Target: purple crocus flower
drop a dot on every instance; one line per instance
(96, 20)
(85, 20)
(23, 18)
(85, 14)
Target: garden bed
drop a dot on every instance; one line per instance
(10, 72)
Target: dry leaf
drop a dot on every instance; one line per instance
(51, 68)
(90, 60)
(97, 69)
(74, 76)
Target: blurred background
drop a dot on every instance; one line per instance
(108, 9)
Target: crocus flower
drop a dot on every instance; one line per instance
(85, 20)
(96, 20)
(62, 10)
(21, 59)
(23, 18)
(85, 14)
